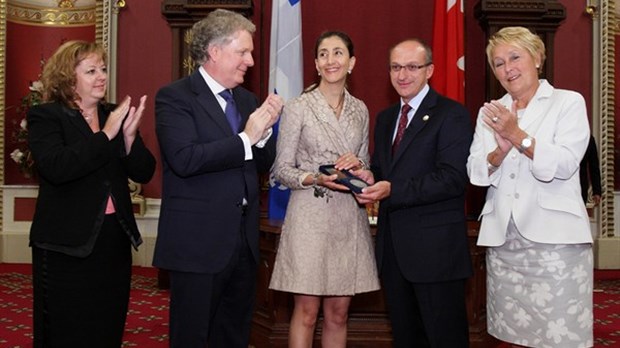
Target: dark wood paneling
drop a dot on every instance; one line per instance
(543, 17)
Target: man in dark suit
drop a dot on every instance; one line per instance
(590, 174)
(213, 146)
(420, 179)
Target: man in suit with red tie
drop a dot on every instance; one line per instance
(214, 139)
(419, 175)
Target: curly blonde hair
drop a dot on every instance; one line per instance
(520, 37)
(59, 76)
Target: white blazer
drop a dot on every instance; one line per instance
(542, 195)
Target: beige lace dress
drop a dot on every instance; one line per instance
(325, 247)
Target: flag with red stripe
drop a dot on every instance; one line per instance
(449, 49)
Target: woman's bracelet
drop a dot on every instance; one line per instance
(315, 179)
(319, 191)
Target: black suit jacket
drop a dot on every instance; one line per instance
(205, 178)
(77, 171)
(425, 212)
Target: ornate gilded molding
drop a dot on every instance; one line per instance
(55, 17)
(66, 3)
(188, 62)
(106, 35)
(118, 5)
(607, 73)
(102, 22)
(3, 6)
(591, 8)
(135, 190)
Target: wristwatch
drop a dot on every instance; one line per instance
(525, 143)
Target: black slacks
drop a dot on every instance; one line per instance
(82, 302)
(214, 309)
(423, 314)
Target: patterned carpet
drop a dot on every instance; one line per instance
(147, 320)
(607, 308)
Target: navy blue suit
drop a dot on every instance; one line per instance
(204, 226)
(422, 234)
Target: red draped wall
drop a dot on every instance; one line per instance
(144, 55)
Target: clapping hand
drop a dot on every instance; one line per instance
(116, 117)
(132, 123)
(502, 121)
(263, 118)
(127, 116)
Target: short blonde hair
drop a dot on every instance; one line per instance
(520, 37)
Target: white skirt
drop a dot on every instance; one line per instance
(540, 295)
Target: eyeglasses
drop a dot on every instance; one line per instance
(410, 67)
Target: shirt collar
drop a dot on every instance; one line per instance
(417, 100)
(214, 86)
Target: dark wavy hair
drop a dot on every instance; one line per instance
(58, 75)
(325, 35)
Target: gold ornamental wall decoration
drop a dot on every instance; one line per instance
(66, 3)
(58, 13)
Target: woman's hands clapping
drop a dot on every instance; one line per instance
(132, 118)
(116, 117)
(504, 123)
(132, 123)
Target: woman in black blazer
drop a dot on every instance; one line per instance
(85, 150)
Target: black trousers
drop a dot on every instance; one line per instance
(423, 314)
(214, 309)
(82, 302)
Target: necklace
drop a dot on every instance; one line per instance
(87, 116)
(340, 101)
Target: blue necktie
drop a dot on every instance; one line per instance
(232, 114)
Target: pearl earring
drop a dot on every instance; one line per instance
(349, 72)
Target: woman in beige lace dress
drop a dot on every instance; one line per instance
(325, 253)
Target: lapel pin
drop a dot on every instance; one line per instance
(425, 118)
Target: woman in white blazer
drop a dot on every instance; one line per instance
(526, 149)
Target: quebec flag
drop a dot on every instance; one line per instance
(285, 77)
